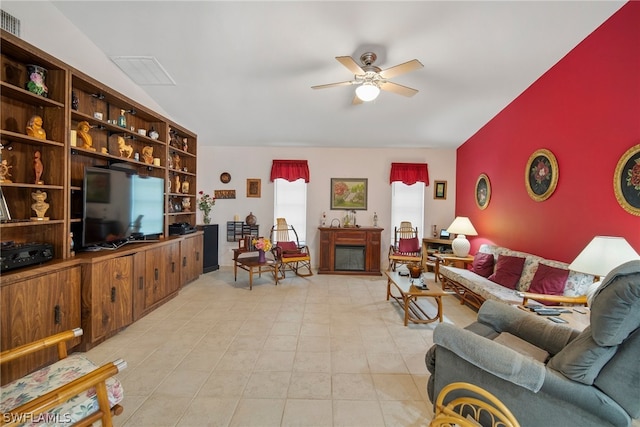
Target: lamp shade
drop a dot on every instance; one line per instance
(367, 91)
(603, 254)
(462, 227)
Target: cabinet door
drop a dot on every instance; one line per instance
(325, 252)
(155, 276)
(192, 259)
(112, 306)
(373, 251)
(173, 268)
(34, 309)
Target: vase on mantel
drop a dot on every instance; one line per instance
(261, 256)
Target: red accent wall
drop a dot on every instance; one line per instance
(586, 110)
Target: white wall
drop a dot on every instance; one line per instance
(324, 164)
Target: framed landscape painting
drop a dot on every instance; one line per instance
(349, 193)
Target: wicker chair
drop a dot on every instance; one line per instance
(290, 254)
(406, 247)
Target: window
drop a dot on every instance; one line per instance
(290, 202)
(407, 204)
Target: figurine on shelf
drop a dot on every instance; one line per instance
(186, 204)
(176, 161)
(40, 206)
(125, 150)
(147, 154)
(153, 134)
(34, 128)
(4, 172)
(185, 187)
(83, 134)
(38, 168)
(176, 181)
(185, 144)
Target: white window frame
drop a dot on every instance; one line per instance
(290, 202)
(407, 204)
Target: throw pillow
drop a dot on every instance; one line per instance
(549, 280)
(409, 245)
(483, 264)
(508, 271)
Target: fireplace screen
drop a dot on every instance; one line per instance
(349, 258)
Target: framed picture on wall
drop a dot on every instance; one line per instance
(440, 190)
(253, 187)
(626, 180)
(349, 193)
(483, 191)
(541, 175)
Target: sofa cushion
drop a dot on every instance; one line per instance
(508, 271)
(483, 264)
(53, 376)
(549, 280)
(407, 245)
(480, 285)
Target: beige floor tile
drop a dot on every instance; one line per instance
(239, 360)
(391, 363)
(406, 413)
(275, 361)
(314, 343)
(268, 385)
(181, 383)
(159, 411)
(356, 413)
(314, 361)
(349, 362)
(311, 413)
(395, 387)
(209, 411)
(353, 387)
(224, 384)
(309, 385)
(281, 343)
(258, 412)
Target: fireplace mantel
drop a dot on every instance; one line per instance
(364, 237)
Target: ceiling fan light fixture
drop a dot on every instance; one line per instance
(367, 91)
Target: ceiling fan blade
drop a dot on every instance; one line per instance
(352, 65)
(406, 67)
(356, 100)
(333, 85)
(399, 89)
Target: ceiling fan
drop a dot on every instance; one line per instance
(371, 78)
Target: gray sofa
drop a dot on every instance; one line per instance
(475, 289)
(590, 378)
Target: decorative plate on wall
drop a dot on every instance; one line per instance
(483, 191)
(541, 175)
(626, 180)
(225, 177)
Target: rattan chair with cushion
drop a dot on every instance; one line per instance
(406, 248)
(290, 254)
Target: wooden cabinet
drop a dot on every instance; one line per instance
(162, 274)
(191, 253)
(107, 289)
(350, 250)
(35, 308)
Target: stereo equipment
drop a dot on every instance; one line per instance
(16, 255)
(179, 228)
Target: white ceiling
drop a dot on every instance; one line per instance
(244, 70)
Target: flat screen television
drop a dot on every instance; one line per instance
(119, 205)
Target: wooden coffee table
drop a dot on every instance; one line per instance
(409, 295)
(252, 265)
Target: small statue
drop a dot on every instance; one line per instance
(125, 150)
(176, 180)
(40, 206)
(176, 161)
(185, 144)
(83, 134)
(4, 172)
(38, 168)
(34, 128)
(185, 187)
(147, 154)
(186, 204)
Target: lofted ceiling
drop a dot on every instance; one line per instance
(244, 70)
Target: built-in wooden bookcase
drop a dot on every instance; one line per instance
(74, 98)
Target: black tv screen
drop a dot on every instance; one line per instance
(118, 205)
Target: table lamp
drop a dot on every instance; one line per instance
(600, 256)
(462, 227)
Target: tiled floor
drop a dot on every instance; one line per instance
(319, 351)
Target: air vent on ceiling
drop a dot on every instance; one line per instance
(10, 23)
(144, 70)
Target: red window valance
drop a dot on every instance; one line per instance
(409, 173)
(291, 170)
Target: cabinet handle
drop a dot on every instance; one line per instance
(184, 261)
(56, 315)
(173, 266)
(157, 273)
(198, 256)
(141, 283)
(113, 294)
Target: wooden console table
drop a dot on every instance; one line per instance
(357, 239)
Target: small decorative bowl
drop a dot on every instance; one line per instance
(415, 270)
